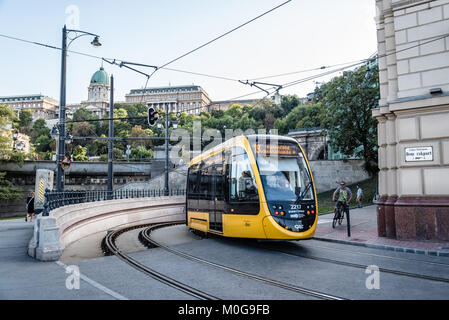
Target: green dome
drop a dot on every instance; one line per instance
(100, 77)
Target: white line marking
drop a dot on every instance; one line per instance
(325, 221)
(96, 284)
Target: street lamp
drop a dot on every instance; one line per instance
(15, 135)
(62, 134)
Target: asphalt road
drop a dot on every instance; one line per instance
(22, 277)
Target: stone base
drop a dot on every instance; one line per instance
(413, 218)
(48, 253)
(45, 245)
(422, 218)
(390, 224)
(381, 227)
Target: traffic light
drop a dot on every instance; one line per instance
(152, 116)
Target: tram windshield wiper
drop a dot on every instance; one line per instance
(300, 195)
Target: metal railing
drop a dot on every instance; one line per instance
(55, 199)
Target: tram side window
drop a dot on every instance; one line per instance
(220, 181)
(242, 184)
(193, 183)
(206, 184)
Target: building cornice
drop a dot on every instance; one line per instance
(403, 4)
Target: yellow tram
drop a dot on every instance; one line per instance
(257, 186)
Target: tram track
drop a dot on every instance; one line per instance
(358, 266)
(110, 245)
(145, 238)
(380, 255)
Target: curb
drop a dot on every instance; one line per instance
(386, 247)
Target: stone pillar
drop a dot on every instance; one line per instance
(45, 245)
(390, 227)
(44, 180)
(382, 176)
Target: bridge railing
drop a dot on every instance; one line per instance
(55, 199)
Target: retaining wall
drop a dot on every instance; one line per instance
(68, 224)
(326, 173)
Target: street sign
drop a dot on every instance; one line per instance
(419, 154)
(65, 163)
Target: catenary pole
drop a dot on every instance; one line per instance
(110, 140)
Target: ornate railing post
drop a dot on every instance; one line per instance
(46, 195)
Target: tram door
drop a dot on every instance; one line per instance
(216, 202)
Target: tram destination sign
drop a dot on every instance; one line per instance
(419, 154)
(279, 149)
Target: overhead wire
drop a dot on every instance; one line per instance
(225, 34)
(114, 61)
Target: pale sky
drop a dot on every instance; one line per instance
(300, 35)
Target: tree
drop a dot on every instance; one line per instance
(83, 129)
(234, 111)
(349, 101)
(138, 132)
(305, 116)
(7, 117)
(289, 102)
(43, 143)
(39, 129)
(141, 153)
(79, 154)
(25, 118)
(7, 191)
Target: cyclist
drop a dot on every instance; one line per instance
(344, 195)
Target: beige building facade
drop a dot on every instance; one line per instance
(226, 104)
(191, 99)
(413, 119)
(40, 106)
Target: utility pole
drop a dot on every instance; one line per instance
(62, 100)
(166, 189)
(111, 142)
(61, 141)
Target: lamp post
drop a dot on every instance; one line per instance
(15, 135)
(62, 102)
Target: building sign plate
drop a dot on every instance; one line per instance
(419, 154)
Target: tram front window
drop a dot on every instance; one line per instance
(285, 178)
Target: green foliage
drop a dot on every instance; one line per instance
(43, 143)
(7, 154)
(25, 118)
(349, 101)
(141, 152)
(305, 116)
(39, 129)
(7, 191)
(289, 102)
(79, 154)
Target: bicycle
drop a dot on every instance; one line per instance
(339, 214)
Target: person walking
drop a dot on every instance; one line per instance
(359, 196)
(30, 207)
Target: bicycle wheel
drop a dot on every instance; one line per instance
(334, 220)
(341, 216)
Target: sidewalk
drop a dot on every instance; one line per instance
(364, 233)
